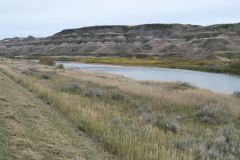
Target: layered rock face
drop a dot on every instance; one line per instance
(159, 39)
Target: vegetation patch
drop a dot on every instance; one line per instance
(184, 85)
(94, 92)
(46, 61)
(237, 94)
(5, 151)
(47, 75)
(210, 115)
(29, 71)
(60, 66)
(169, 123)
(72, 87)
(201, 64)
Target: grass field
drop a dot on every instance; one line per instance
(136, 120)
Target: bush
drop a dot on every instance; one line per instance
(184, 85)
(117, 95)
(228, 131)
(141, 106)
(169, 123)
(29, 71)
(184, 144)
(47, 61)
(211, 115)
(47, 75)
(220, 145)
(237, 94)
(60, 66)
(148, 118)
(72, 87)
(95, 92)
(116, 120)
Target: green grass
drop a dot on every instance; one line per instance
(5, 151)
(47, 60)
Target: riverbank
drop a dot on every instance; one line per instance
(216, 82)
(218, 66)
(137, 120)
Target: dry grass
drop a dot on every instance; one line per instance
(168, 92)
(139, 120)
(32, 130)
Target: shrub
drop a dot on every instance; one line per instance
(184, 85)
(60, 66)
(213, 153)
(141, 106)
(184, 144)
(47, 61)
(210, 150)
(220, 145)
(211, 115)
(169, 123)
(228, 131)
(148, 118)
(47, 75)
(94, 92)
(72, 87)
(116, 120)
(29, 71)
(237, 94)
(117, 95)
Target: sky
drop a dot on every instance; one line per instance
(42, 18)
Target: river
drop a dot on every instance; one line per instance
(222, 83)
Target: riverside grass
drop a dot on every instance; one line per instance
(130, 123)
(202, 64)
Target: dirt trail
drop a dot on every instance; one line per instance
(32, 130)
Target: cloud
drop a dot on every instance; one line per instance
(45, 17)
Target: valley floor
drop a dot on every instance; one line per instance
(31, 129)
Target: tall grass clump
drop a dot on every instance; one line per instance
(46, 61)
(207, 114)
(184, 85)
(237, 94)
(60, 66)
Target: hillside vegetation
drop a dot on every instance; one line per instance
(30, 129)
(138, 120)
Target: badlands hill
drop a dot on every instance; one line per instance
(175, 40)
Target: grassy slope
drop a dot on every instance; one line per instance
(139, 120)
(30, 129)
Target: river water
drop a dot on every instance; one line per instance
(222, 83)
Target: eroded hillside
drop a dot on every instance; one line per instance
(160, 39)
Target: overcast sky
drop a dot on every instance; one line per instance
(46, 17)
